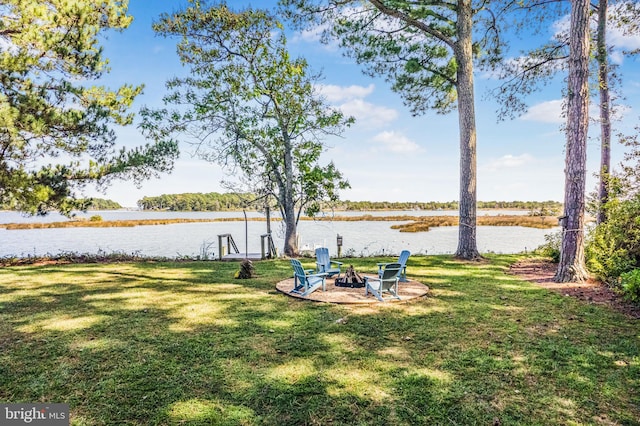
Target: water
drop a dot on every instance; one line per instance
(195, 239)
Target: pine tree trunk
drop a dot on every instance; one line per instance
(467, 246)
(572, 264)
(605, 113)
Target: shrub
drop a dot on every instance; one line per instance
(551, 247)
(95, 218)
(630, 284)
(613, 248)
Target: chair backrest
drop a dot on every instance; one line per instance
(298, 269)
(404, 256)
(322, 258)
(391, 270)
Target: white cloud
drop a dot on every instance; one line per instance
(545, 112)
(368, 113)
(316, 36)
(349, 100)
(616, 37)
(508, 162)
(396, 142)
(335, 93)
(622, 42)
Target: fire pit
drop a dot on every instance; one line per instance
(350, 279)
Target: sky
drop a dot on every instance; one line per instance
(387, 155)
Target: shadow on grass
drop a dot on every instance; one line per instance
(187, 344)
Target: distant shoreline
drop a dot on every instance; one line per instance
(414, 223)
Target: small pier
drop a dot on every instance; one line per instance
(228, 250)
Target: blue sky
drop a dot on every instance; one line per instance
(521, 159)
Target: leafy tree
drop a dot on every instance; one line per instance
(212, 201)
(103, 204)
(426, 49)
(249, 105)
(55, 127)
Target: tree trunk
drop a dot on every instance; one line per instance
(291, 233)
(467, 247)
(572, 263)
(289, 208)
(605, 112)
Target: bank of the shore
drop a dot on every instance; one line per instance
(415, 223)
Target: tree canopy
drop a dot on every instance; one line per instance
(56, 127)
(427, 51)
(248, 105)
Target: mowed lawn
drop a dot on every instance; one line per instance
(185, 343)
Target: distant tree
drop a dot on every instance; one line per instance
(249, 105)
(211, 201)
(55, 126)
(103, 204)
(428, 50)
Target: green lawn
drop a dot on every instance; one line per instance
(185, 343)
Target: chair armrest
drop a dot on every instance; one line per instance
(336, 262)
(321, 274)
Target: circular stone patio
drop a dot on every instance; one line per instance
(406, 290)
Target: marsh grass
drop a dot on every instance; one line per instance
(185, 343)
(416, 223)
(423, 224)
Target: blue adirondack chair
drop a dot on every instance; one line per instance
(386, 283)
(305, 283)
(402, 260)
(325, 264)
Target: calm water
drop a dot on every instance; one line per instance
(193, 239)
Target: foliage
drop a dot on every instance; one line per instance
(103, 204)
(185, 343)
(539, 207)
(551, 247)
(536, 68)
(630, 284)
(95, 218)
(50, 111)
(247, 104)
(214, 201)
(428, 52)
(211, 201)
(411, 44)
(614, 246)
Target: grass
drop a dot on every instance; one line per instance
(184, 343)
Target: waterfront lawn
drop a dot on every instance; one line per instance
(185, 343)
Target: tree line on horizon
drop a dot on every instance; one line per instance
(214, 201)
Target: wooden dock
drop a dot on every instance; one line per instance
(241, 256)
